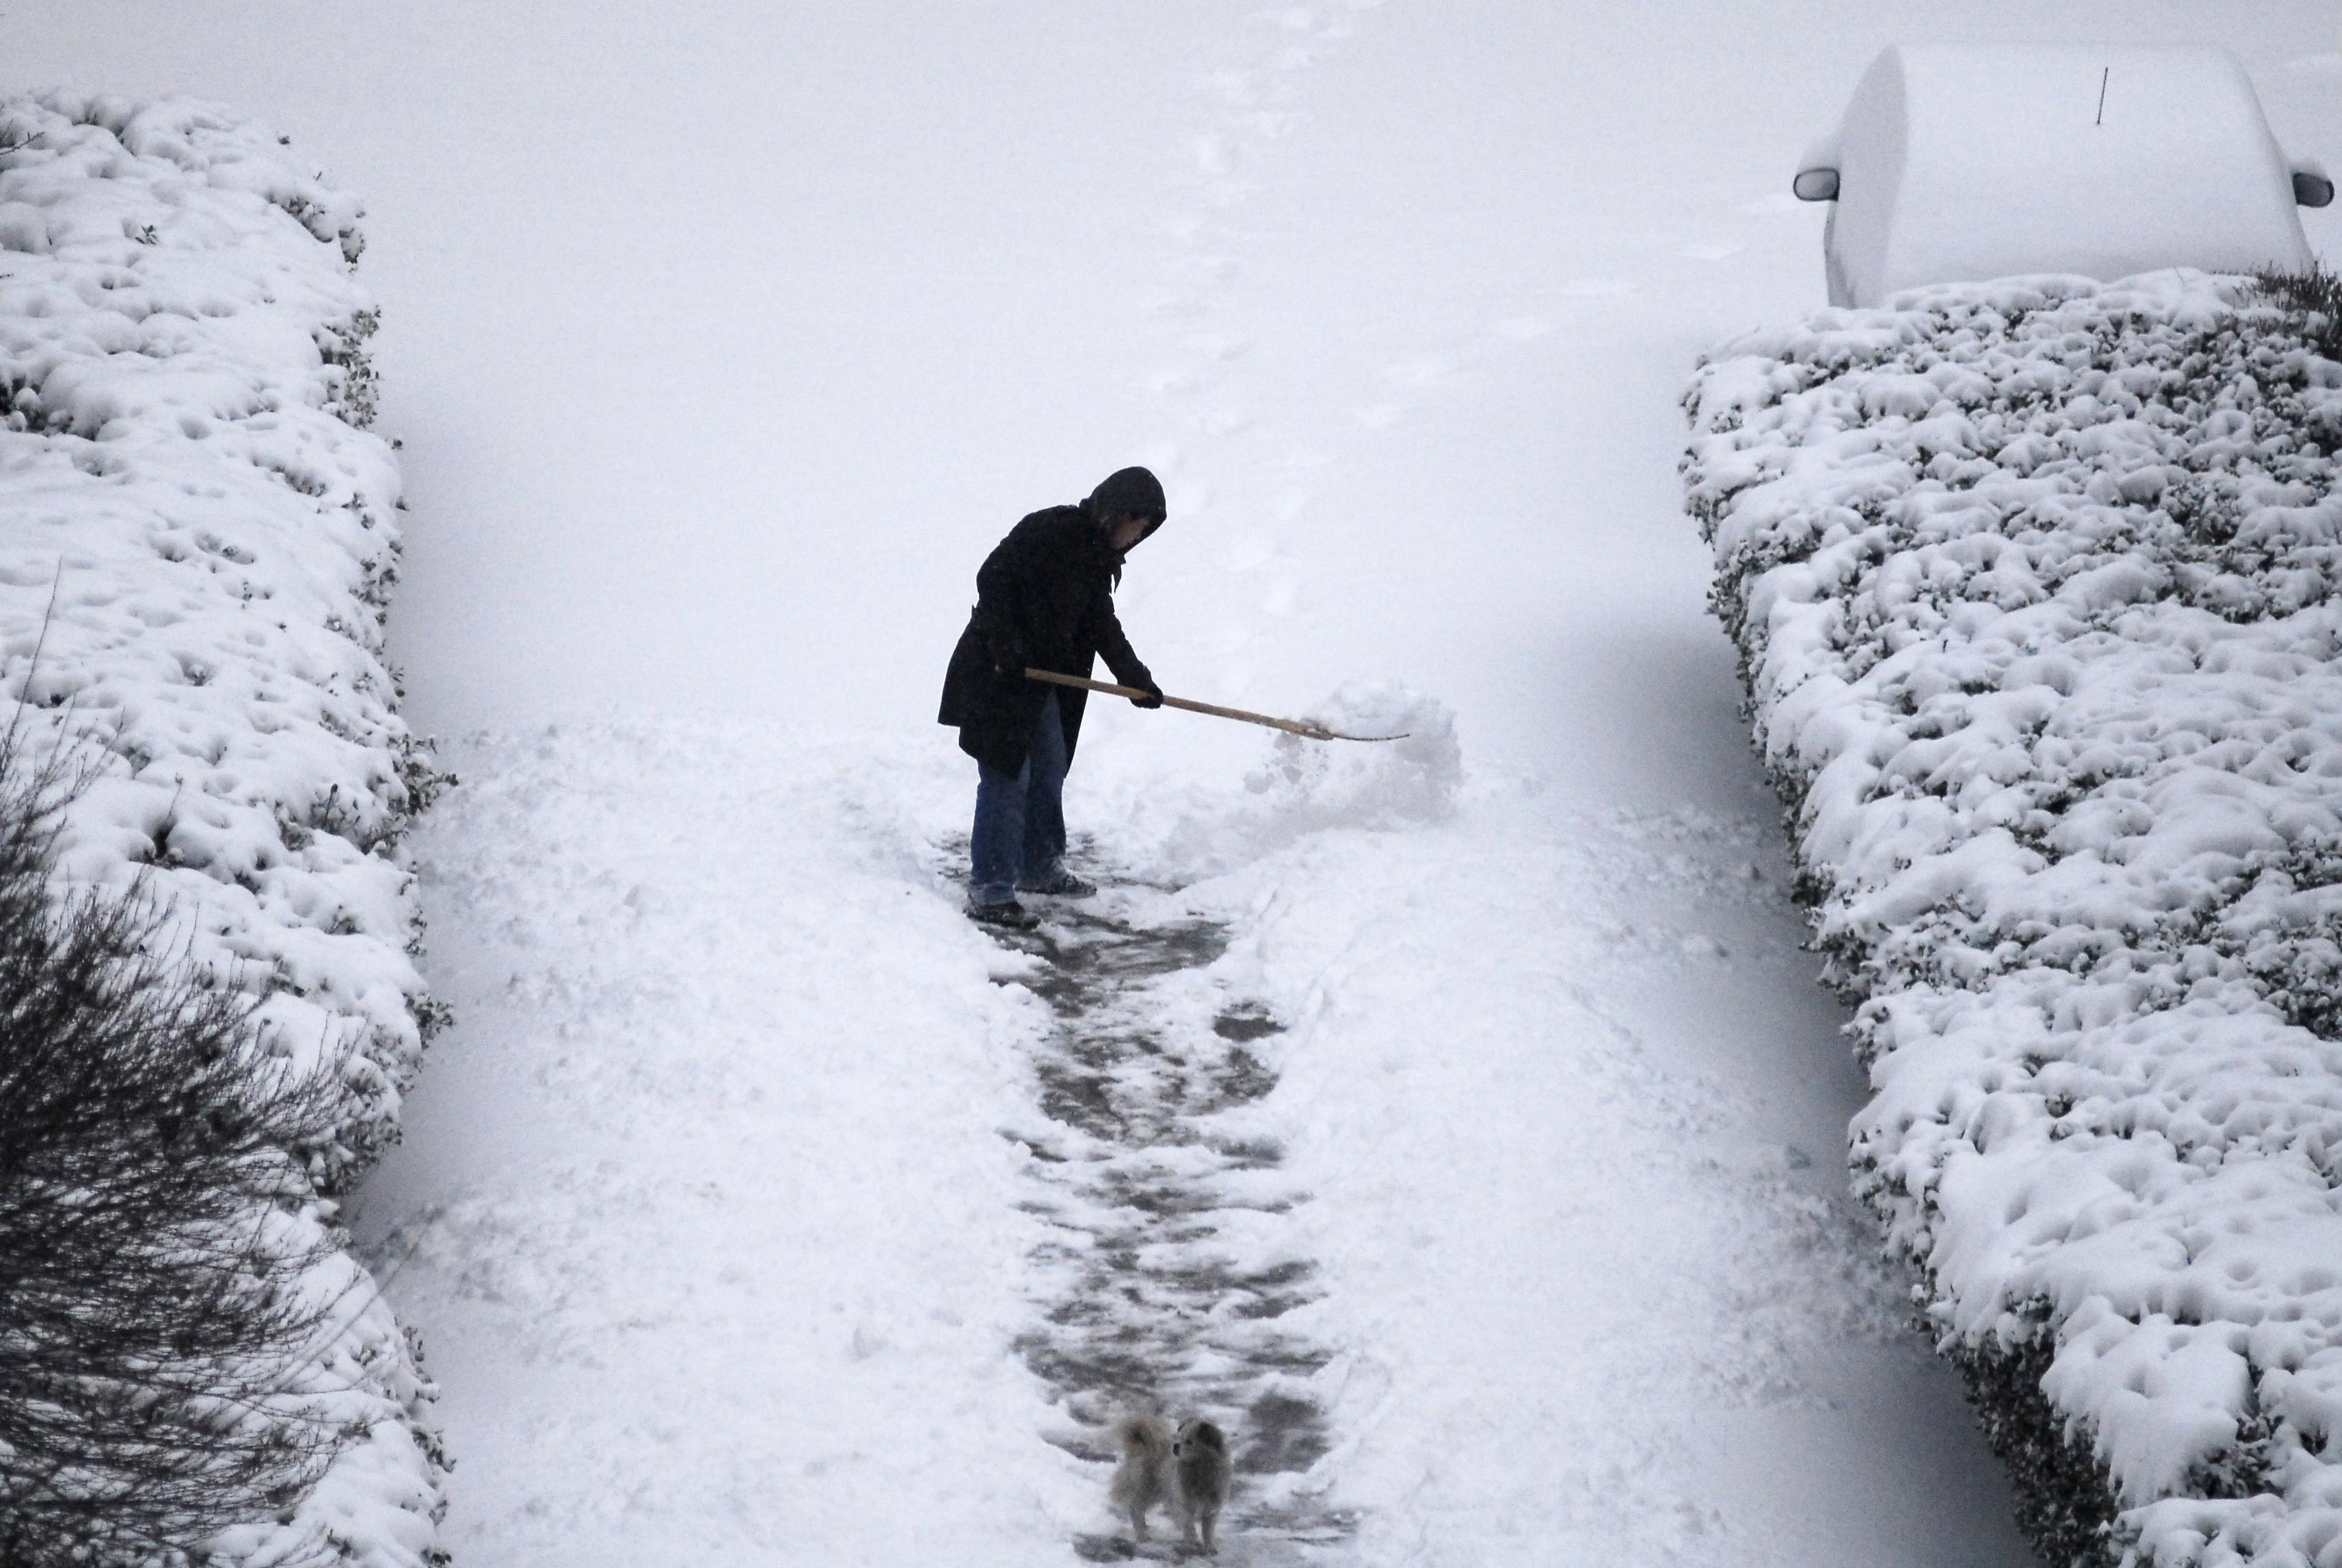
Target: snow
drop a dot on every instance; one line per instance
(2034, 585)
(1970, 162)
(219, 543)
(732, 1264)
(1306, 786)
(1492, 1278)
(199, 548)
(723, 345)
(630, 1186)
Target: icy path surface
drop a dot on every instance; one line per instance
(1176, 1281)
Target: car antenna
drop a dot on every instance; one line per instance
(2103, 74)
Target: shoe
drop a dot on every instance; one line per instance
(1011, 915)
(1065, 885)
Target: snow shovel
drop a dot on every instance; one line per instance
(1290, 726)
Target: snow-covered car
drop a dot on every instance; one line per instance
(1963, 163)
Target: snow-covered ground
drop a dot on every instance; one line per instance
(716, 1271)
(723, 342)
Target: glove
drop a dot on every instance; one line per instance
(1154, 697)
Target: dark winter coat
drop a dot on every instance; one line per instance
(1045, 598)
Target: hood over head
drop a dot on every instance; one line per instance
(1127, 493)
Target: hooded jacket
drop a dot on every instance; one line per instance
(1045, 598)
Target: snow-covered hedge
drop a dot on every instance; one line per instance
(2037, 588)
(197, 541)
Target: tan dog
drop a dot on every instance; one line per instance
(1143, 1477)
(1199, 1481)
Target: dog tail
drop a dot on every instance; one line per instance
(1138, 1433)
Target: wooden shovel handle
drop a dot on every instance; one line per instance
(1290, 726)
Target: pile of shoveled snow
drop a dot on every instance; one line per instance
(2035, 590)
(1406, 773)
(201, 543)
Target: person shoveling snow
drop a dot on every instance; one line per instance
(1044, 601)
(1019, 679)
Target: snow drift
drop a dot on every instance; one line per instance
(2038, 589)
(200, 549)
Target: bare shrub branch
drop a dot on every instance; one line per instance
(2314, 295)
(152, 1264)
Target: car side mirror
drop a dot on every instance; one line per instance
(1821, 185)
(2310, 189)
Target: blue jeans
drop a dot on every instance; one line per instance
(1020, 818)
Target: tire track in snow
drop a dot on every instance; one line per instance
(1173, 1282)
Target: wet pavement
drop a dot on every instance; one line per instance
(1174, 1263)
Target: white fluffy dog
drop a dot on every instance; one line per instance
(1187, 1468)
(1143, 1479)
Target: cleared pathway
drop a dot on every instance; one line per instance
(1172, 1276)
